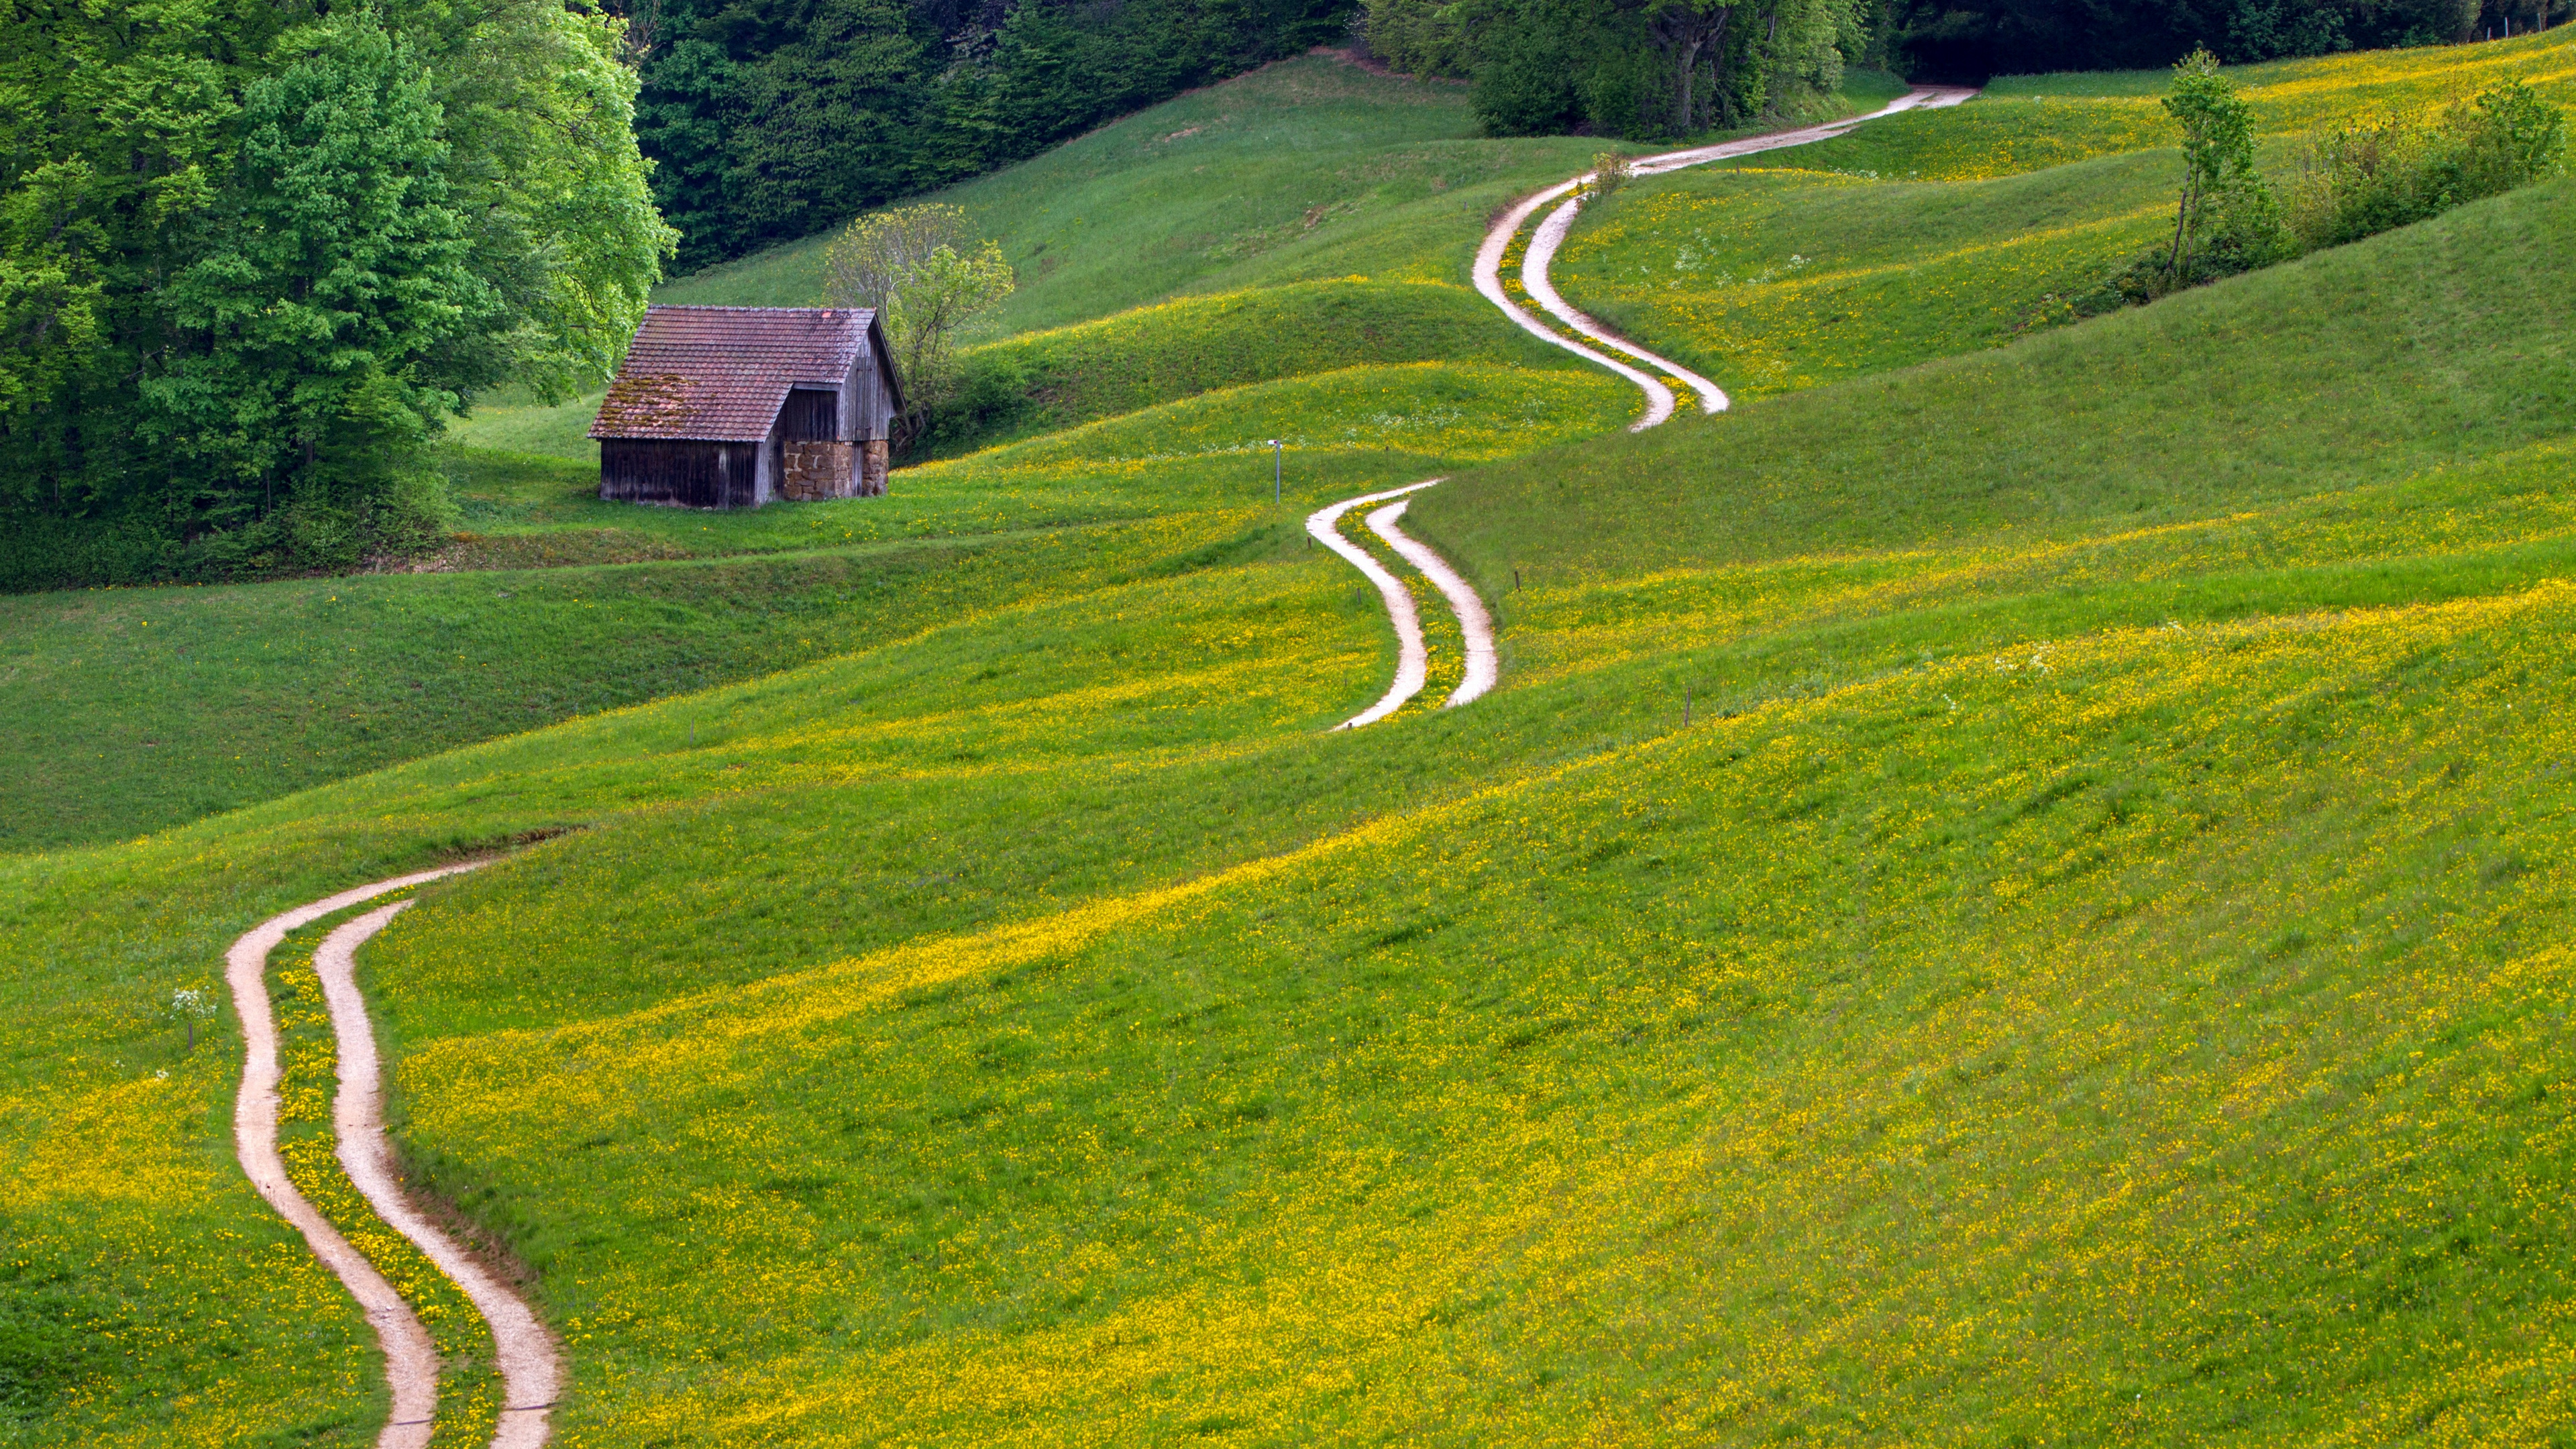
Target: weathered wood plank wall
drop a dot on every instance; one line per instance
(679, 471)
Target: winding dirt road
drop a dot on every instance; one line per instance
(1551, 234)
(530, 1369)
(1413, 657)
(1474, 624)
(1473, 621)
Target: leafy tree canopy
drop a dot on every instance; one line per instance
(929, 278)
(252, 255)
(774, 119)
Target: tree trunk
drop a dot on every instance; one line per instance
(1689, 73)
(2182, 230)
(1687, 32)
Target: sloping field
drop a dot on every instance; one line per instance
(2091, 969)
(1928, 235)
(1189, 276)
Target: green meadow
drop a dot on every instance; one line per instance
(1932, 234)
(2014, 889)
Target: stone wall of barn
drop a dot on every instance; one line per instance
(811, 470)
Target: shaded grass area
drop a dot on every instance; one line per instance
(131, 710)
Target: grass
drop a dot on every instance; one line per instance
(115, 736)
(1176, 350)
(1942, 232)
(1771, 282)
(1311, 198)
(2091, 970)
(2351, 366)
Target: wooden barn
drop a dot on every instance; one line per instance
(730, 407)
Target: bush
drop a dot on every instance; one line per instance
(2356, 180)
(2382, 172)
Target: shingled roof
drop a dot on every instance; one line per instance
(719, 374)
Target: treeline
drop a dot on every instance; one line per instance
(774, 119)
(253, 254)
(1660, 69)
(1971, 40)
(1645, 71)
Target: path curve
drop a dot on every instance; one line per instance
(1413, 660)
(1474, 624)
(530, 1370)
(411, 1360)
(1413, 657)
(1551, 234)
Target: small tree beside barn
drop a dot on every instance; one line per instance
(731, 407)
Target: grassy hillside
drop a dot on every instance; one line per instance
(1933, 234)
(2435, 346)
(1157, 407)
(2090, 970)
(1314, 214)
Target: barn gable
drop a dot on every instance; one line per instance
(728, 407)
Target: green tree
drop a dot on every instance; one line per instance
(136, 188)
(929, 279)
(539, 121)
(332, 320)
(119, 127)
(2227, 220)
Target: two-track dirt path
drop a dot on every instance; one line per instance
(1413, 657)
(1551, 233)
(530, 1369)
(1648, 370)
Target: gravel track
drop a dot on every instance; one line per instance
(1551, 234)
(529, 1366)
(1413, 657)
(1474, 624)
(530, 1370)
(1413, 660)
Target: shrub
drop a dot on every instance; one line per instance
(1610, 171)
(930, 279)
(2228, 221)
(2356, 179)
(2385, 171)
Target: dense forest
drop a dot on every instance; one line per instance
(772, 119)
(1973, 39)
(253, 255)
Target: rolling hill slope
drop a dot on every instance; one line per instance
(2086, 964)
(1320, 168)
(1925, 236)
